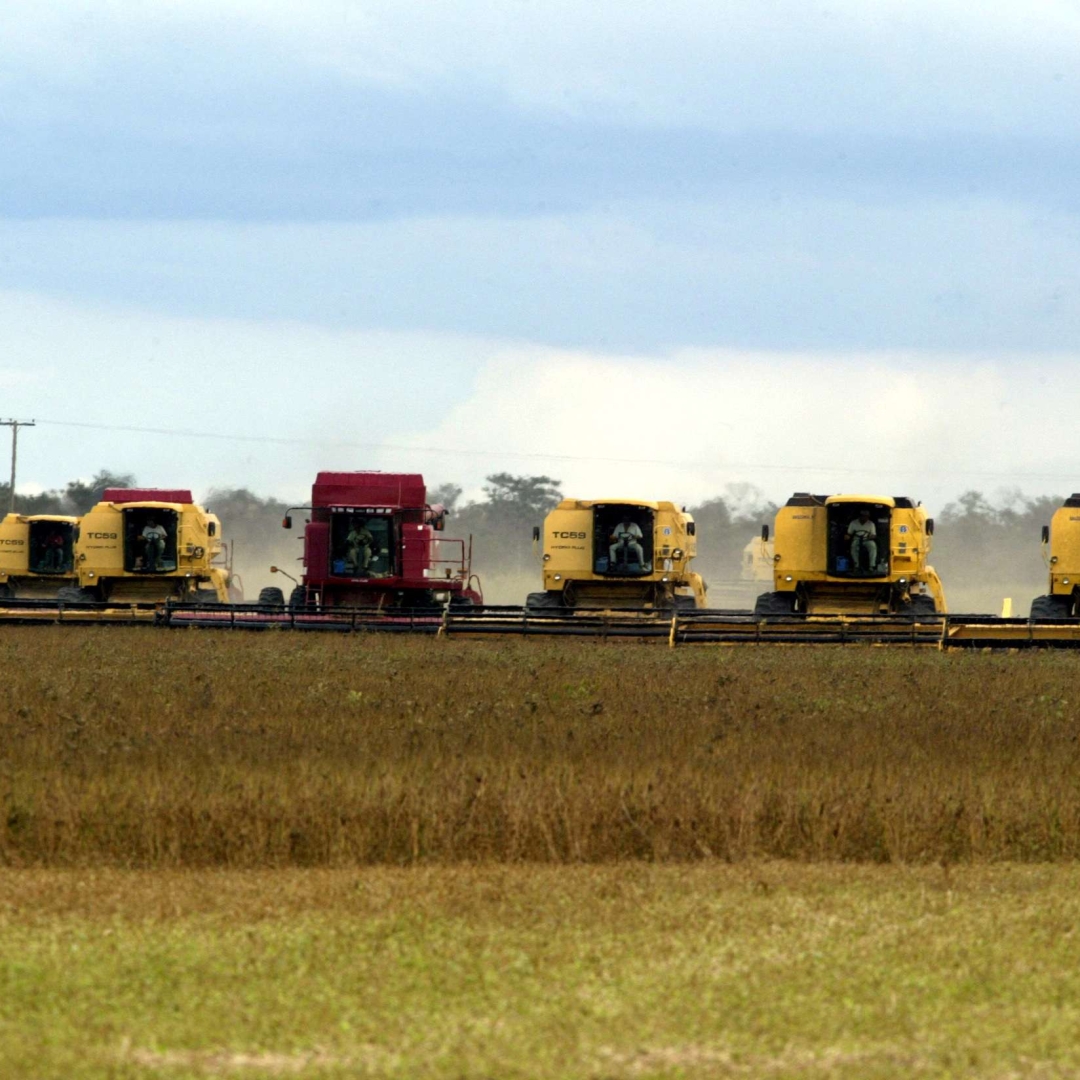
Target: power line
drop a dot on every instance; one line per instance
(496, 455)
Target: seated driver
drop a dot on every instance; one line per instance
(359, 546)
(630, 534)
(153, 544)
(54, 551)
(862, 535)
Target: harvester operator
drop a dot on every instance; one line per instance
(862, 535)
(359, 546)
(153, 544)
(626, 533)
(54, 552)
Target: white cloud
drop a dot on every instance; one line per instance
(680, 425)
(936, 64)
(685, 425)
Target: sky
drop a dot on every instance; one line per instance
(649, 250)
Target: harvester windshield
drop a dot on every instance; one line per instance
(858, 540)
(51, 547)
(361, 543)
(150, 540)
(623, 544)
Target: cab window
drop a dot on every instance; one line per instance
(51, 547)
(858, 545)
(361, 544)
(150, 539)
(623, 540)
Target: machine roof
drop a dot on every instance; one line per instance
(150, 495)
(393, 490)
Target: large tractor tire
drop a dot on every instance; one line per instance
(72, 594)
(543, 601)
(6, 592)
(461, 603)
(271, 597)
(298, 600)
(685, 603)
(920, 607)
(775, 603)
(1051, 607)
(206, 596)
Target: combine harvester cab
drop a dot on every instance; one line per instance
(854, 555)
(371, 542)
(37, 556)
(614, 554)
(148, 545)
(1061, 551)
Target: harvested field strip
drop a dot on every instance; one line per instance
(761, 969)
(187, 750)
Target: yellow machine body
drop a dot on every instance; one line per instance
(757, 560)
(111, 561)
(36, 555)
(1061, 550)
(587, 564)
(814, 570)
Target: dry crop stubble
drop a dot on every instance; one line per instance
(128, 747)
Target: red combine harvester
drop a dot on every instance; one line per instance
(370, 542)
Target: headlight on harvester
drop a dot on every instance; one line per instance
(677, 553)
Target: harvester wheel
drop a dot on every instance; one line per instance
(461, 603)
(775, 603)
(921, 605)
(206, 596)
(5, 592)
(298, 599)
(1050, 607)
(543, 601)
(72, 594)
(685, 603)
(271, 596)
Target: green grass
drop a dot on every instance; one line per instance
(761, 969)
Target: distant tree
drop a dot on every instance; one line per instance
(239, 504)
(45, 502)
(447, 494)
(80, 495)
(531, 496)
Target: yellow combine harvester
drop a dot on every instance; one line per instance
(1061, 550)
(618, 554)
(852, 555)
(37, 555)
(148, 545)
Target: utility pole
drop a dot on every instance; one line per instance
(14, 425)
